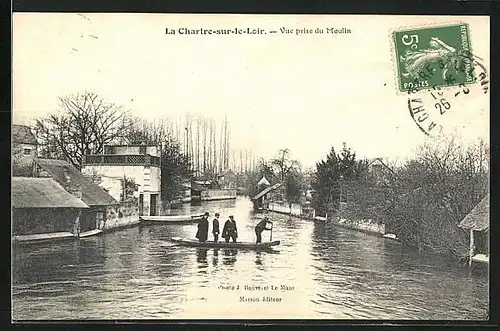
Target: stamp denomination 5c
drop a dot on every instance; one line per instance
(430, 57)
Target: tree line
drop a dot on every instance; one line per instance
(85, 122)
(422, 200)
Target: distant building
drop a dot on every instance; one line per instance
(24, 149)
(272, 193)
(263, 182)
(43, 206)
(381, 172)
(101, 203)
(138, 162)
(477, 222)
(227, 179)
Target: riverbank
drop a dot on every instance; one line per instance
(121, 223)
(325, 264)
(365, 225)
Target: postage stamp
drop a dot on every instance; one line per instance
(430, 108)
(430, 57)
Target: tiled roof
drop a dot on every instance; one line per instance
(92, 194)
(29, 192)
(21, 134)
(479, 217)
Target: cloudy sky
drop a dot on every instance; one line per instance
(304, 92)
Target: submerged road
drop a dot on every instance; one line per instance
(318, 271)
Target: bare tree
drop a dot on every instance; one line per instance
(83, 125)
(284, 163)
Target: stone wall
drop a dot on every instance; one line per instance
(295, 209)
(123, 215)
(370, 226)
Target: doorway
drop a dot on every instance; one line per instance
(152, 209)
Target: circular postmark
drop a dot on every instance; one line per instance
(432, 108)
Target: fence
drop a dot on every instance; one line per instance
(293, 209)
(121, 160)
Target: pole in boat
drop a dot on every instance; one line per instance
(271, 236)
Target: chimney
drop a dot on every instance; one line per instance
(75, 189)
(67, 180)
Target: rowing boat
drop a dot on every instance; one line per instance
(172, 218)
(40, 237)
(211, 244)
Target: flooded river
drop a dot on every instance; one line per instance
(318, 271)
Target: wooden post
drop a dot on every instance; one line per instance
(76, 227)
(471, 247)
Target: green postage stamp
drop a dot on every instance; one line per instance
(430, 57)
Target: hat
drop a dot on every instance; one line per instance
(217, 214)
(231, 216)
(206, 214)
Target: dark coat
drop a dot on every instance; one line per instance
(261, 226)
(230, 229)
(202, 233)
(215, 227)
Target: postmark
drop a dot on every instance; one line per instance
(430, 57)
(431, 108)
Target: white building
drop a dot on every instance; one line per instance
(138, 162)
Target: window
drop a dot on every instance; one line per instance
(27, 151)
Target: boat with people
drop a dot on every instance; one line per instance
(223, 244)
(174, 219)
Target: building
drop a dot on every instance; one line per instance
(381, 172)
(227, 179)
(263, 182)
(268, 194)
(24, 150)
(140, 162)
(477, 222)
(101, 204)
(43, 209)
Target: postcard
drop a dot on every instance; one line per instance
(181, 166)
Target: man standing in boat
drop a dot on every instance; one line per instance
(215, 227)
(230, 230)
(260, 227)
(202, 233)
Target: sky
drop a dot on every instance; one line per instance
(306, 92)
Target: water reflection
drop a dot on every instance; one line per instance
(201, 257)
(258, 258)
(337, 273)
(229, 256)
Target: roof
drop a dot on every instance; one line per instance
(263, 181)
(21, 134)
(479, 217)
(266, 190)
(29, 192)
(92, 194)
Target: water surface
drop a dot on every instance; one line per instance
(325, 271)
